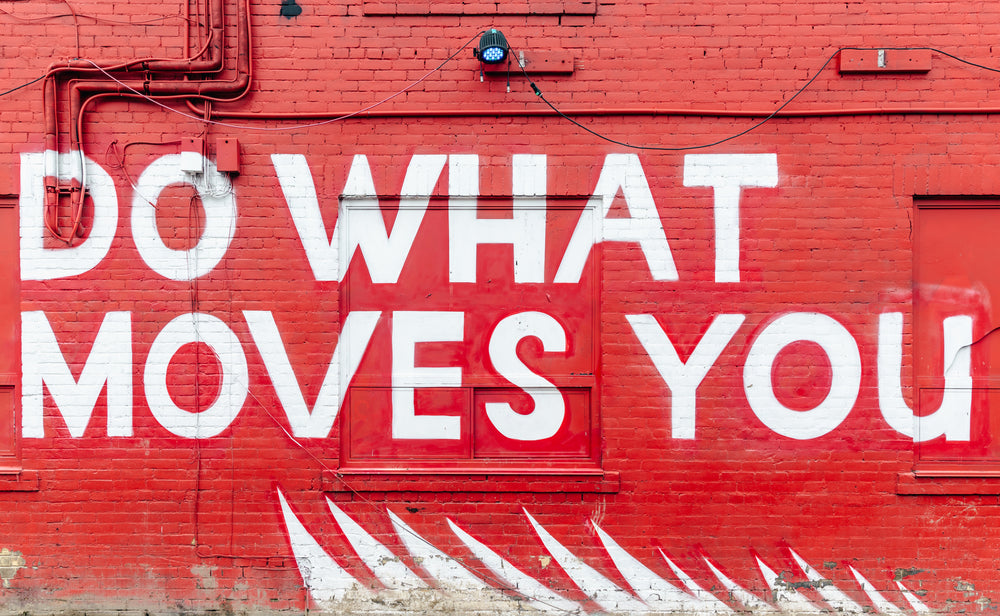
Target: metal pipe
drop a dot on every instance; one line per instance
(80, 91)
(603, 112)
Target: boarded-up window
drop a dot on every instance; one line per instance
(469, 367)
(956, 307)
(10, 347)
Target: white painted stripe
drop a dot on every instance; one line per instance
(329, 583)
(384, 564)
(651, 588)
(747, 598)
(539, 596)
(881, 603)
(916, 604)
(788, 599)
(830, 593)
(326, 580)
(443, 568)
(693, 587)
(600, 589)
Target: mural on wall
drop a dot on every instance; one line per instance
(329, 584)
(467, 350)
(441, 369)
(481, 342)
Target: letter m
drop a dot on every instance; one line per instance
(109, 363)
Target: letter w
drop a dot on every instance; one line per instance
(359, 222)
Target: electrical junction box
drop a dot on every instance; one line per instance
(227, 155)
(192, 160)
(885, 61)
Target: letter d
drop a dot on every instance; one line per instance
(41, 263)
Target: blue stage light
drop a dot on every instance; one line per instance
(493, 48)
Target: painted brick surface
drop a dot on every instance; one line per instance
(455, 354)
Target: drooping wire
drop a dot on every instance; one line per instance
(753, 127)
(24, 85)
(72, 13)
(931, 49)
(538, 92)
(113, 159)
(633, 146)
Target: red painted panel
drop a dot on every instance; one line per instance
(424, 288)
(369, 422)
(955, 252)
(10, 342)
(573, 441)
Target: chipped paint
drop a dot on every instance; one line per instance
(10, 563)
(205, 577)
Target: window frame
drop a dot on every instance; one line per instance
(525, 473)
(945, 470)
(466, 7)
(10, 328)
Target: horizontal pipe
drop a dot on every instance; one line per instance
(80, 91)
(211, 88)
(194, 64)
(601, 112)
(197, 63)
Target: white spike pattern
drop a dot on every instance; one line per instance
(830, 593)
(748, 599)
(915, 603)
(326, 580)
(600, 589)
(788, 599)
(439, 565)
(383, 563)
(881, 603)
(692, 586)
(332, 587)
(658, 593)
(540, 597)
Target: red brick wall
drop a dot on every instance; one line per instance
(118, 503)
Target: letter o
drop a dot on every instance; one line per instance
(185, 329)
(220, 220)
(845, 364)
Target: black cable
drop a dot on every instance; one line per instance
(754, 127)
(24, 85)
(931, 49)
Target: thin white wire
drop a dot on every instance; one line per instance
(292, 127)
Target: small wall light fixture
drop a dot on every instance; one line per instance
(493, 47)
